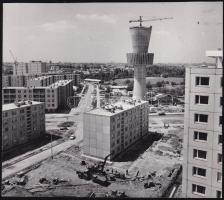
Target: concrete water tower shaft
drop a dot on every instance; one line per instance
(140, 37)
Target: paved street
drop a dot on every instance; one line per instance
(84, 105)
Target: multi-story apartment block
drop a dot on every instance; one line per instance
(16, 80)
(33, 67)
(75, 77)
(40, 81)
(55, 95)
(202, 165)
(112, 129)
(37, 67)
(20, 68)
(21, 123)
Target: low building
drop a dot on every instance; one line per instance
(21, 123)
(112, 129)
(119, 90)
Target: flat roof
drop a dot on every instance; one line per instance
(119, 87)
(54, 85)
(12, 106)
(125, 105)
(214, 53)
(41, 78)
(92, 80)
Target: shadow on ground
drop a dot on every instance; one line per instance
(138, 148)
(24, 148)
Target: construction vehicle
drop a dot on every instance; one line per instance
(154, 19)
(93, 170)
(101, 165)
(84, 174)
(100, 179)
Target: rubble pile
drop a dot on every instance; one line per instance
(169, 145)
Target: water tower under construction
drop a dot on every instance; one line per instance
(140, 57)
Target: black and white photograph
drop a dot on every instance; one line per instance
(112, 99)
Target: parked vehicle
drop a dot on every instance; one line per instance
(72, 137)
(161, 113)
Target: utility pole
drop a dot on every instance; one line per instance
(51, 148)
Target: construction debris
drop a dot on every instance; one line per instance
(22, 181)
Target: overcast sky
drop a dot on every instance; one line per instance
(99, 32)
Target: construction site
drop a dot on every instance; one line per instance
(149, 166)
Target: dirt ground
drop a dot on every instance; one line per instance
(65, 164)
(145, 156)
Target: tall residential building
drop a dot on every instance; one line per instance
(113, 129)
(20, 68)
(55, 95)
(21, 123)
(33, 67)
(202, 165)
(140, 57)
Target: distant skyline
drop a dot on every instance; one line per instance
(99, 32)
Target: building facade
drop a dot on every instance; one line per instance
(22, 123)
(33, 67)
(112, 129)
(41, 81)
(202, 167)
(54, 96)
(38, 79)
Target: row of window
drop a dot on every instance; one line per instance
(203, 137)
(197, 171)
(202, 155)
(200, 190)
(204, 81)
(200, 99)
(204, 118)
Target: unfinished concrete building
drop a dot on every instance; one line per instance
(140, 57)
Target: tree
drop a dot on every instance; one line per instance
(108, 89)
(127, 81)
(159, 84)
(148, 85)
(130, 86)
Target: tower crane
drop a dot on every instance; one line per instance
(15, 61)
(140, 20)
